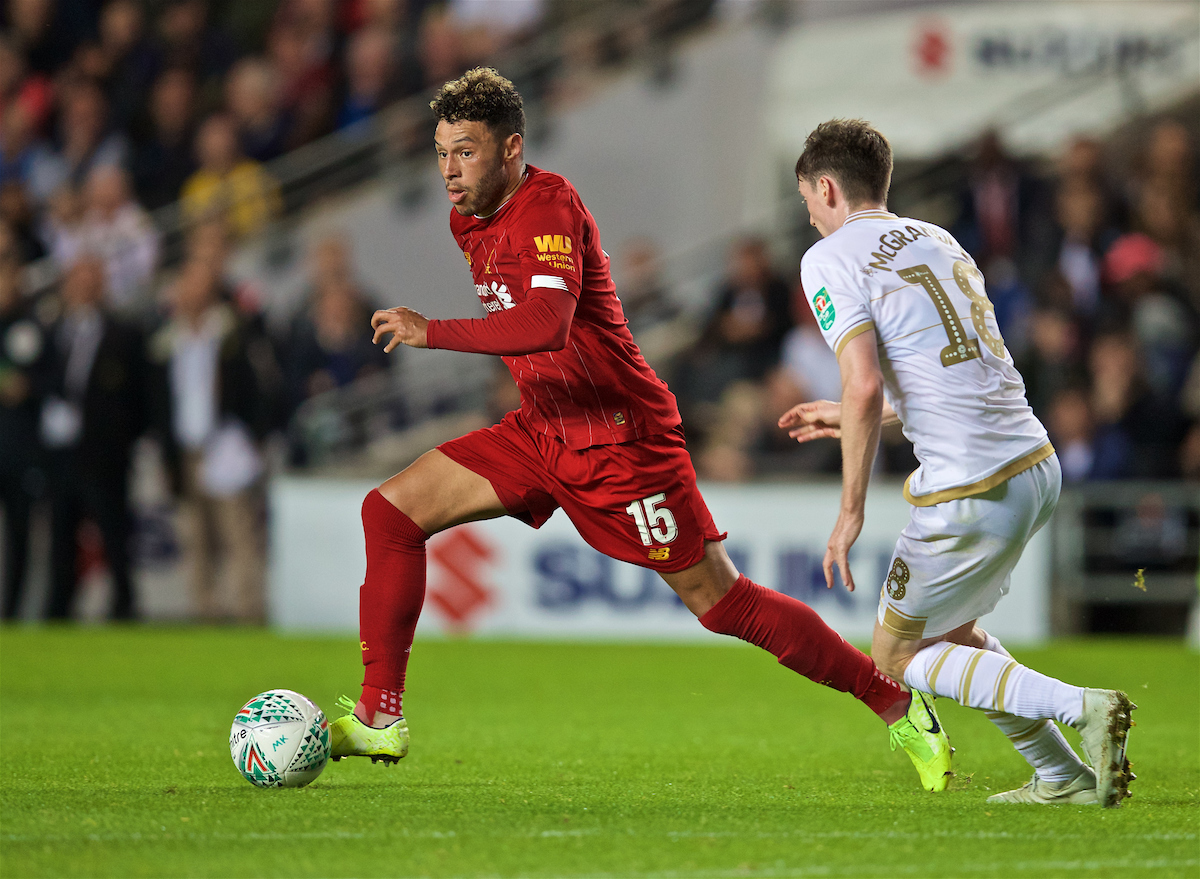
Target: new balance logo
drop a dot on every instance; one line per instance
(552, 243)
(659, 555)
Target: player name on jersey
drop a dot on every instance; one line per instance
(946, 371)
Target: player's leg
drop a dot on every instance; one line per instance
(928, 603)
(432, 494)
(1060, 776)
(729, 603)
(996, 683)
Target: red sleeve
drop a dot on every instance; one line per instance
(540, 323)
(547, 240)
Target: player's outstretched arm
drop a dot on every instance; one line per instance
(823, 418)
(406, 326)
(813, 420)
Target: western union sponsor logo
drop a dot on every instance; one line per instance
(552, 243)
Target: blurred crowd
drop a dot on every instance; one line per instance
(82, 387)
(1093, 266)
(112, 109)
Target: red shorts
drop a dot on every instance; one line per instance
(636, 502)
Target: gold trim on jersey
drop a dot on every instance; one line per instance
(851, 333)
(1004, 473)
(903, 626)
(870, 215)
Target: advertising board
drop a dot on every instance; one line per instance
(501, 578)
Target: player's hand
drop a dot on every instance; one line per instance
(810, 421)
(404, 324)
(837, 551)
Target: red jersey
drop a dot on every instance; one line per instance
(541, 243)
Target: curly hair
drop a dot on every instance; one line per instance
(854, 154)
(482, 95)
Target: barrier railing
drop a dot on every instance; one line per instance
(1126, 555)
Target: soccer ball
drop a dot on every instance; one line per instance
(279, 739)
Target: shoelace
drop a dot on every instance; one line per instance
(898, 732)
(344, 702)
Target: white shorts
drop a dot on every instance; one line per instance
(953, 561)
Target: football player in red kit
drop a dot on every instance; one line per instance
(597, 433)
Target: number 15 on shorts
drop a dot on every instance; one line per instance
(655, 524)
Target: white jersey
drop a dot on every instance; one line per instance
(946, 371)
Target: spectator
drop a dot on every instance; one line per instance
(85, 140)
(329, 262)
(1053, 361)
(187, 39)
(998, 208)
(302, 61)
(16, 212)
(228, 184)
(165, 157)
(1080, 212)
(1171, 160)
(21, 478)
(397, 18)
(206, 414)
(1162, 324)
(1082, 163)
(1164, 215)
(486, 27)
(118, 230)
(127, 59)
(1069, 423)
(209, 244)
(1137, 434)
(25, 159)
(252, 94)
(743, 336)
(1189, 455)
(32, 91)
(439, 46)
(46, 32)
(370, 76)
(330, 346)
(644, 296)
(807, 370)
(92, 386)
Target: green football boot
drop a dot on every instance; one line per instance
(350, 737)
(921, 736)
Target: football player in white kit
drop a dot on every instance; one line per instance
(904, 308)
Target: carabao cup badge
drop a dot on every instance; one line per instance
(823, 305)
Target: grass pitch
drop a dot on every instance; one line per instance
(553, 760)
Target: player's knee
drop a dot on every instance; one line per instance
(413, 489)
(892, 664)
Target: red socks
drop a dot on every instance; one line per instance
(389, 601)
(391, 597)
(794, 633)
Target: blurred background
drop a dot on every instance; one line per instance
(201, 202)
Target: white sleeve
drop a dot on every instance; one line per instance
(841, 307)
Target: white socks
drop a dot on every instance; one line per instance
(992, 681)
(1039, 741)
